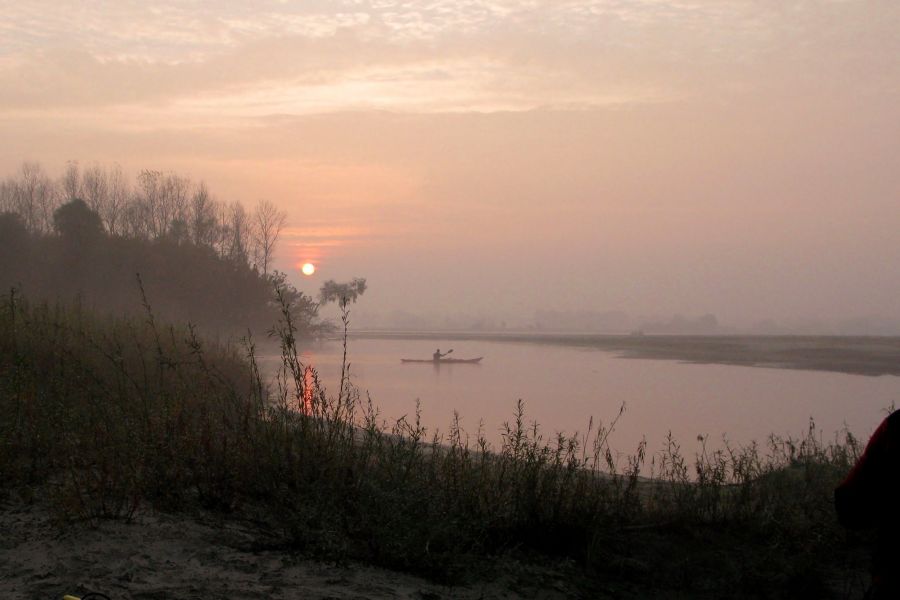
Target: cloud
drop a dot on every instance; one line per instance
(437, 55)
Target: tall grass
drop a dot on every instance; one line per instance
(107, 415)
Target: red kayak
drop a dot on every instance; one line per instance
(452, 361)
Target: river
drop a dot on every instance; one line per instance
(563, 387)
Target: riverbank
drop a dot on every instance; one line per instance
(105, 423)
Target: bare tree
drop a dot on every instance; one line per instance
(238, 233)
(132, 223)
(35, 197)
(8, 192)
(70, 182)
(119, 192)
(95, 188)
(148, 199)
(175, 200)
(223, 229)
(268, 223)
(155, 207)
(202, 217)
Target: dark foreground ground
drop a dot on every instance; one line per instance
(179, 557)
(168, 557)
(855, 355)
(203, 556)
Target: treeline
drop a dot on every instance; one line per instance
(90, 233)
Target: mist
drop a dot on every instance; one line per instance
(499, 174)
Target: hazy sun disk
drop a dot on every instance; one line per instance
(308, 268)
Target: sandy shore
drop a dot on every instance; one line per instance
(160, 556)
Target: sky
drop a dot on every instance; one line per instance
(493, 157)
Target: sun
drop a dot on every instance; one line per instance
(308, 268)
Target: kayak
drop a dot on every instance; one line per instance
(452, 361)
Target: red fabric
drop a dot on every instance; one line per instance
(873, 453)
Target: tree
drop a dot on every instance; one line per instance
(13, 248)
(202, 217)
(178, 233)
(118, 197)
(268, 222)
(34, 197)
(71, 182)
(95, 189)
(202, 260)
(238, 238)
(303, 308)
(342, 293)
(77, 223)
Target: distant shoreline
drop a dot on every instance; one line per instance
(855, 355)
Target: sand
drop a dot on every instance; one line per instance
(173, 557)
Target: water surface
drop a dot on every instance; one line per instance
(564, 387)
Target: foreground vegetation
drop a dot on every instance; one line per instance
(108, 416)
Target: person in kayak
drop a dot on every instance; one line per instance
(438, 356)
(869, 498)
